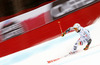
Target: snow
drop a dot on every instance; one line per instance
(40, 54)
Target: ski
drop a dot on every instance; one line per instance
(53, 60)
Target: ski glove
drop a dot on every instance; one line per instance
(63, 34)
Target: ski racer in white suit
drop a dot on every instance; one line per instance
(84, 36)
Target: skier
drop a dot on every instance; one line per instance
(84, 37)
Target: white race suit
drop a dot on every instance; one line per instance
(84, 37)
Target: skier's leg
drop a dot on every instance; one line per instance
(88, 44)
(75, 47)
(89, 41)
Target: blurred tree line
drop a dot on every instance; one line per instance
(10, 7)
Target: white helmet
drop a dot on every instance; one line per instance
(77, 25)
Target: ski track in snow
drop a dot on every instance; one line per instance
(40, 54)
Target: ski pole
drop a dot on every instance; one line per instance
(60, 26)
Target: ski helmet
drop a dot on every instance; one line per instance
(77, 25)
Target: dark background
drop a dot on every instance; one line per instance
(10, 7)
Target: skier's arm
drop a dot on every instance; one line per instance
(69, 29)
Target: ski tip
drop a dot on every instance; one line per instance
(48, 61)
(53, 60)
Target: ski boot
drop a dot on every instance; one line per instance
(86, 48)
(73, 52)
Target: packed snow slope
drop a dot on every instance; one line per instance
(58, 47)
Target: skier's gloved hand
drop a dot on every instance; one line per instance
(63, 34)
